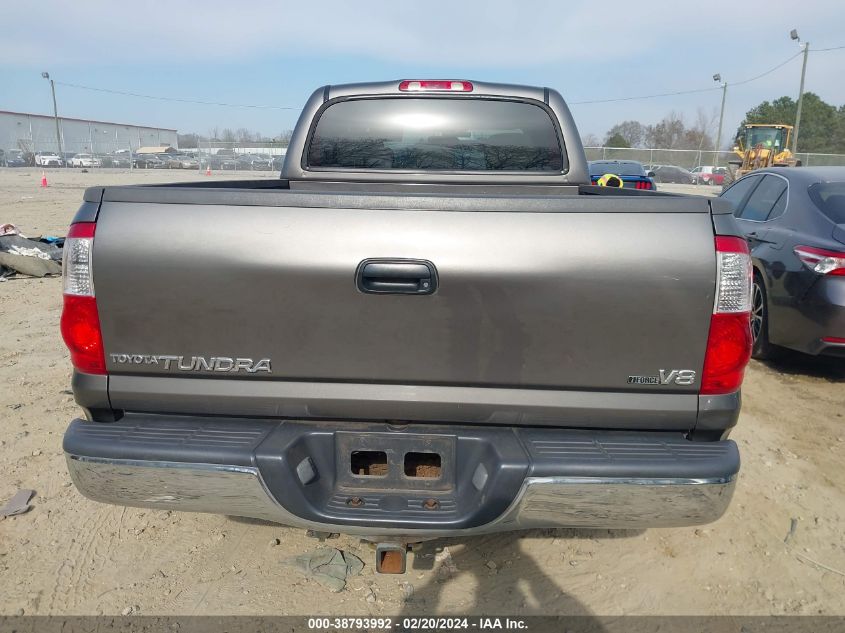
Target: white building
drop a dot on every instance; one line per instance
(37, 132)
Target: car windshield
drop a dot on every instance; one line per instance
(436, 134)
(829, 197)
(618, 167)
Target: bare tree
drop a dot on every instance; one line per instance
(632, 131)
(700, 135)
(284, 137)
(590, 140)
(244, 135)
(668, 133)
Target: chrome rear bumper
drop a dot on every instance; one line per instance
(542, 502)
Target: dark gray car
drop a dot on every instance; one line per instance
(673, 174)
(794, 220)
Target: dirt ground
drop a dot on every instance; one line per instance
(69, 555)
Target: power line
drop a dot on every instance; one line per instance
(594, 101)
(159, 98)
(686, 92)
(768, 72)
(663, 94)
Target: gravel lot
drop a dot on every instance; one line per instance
(69, 555)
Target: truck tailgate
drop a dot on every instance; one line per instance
(558, 300)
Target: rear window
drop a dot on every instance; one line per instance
(829, 197)
(737, 191)
(760, 204)
(430, 134)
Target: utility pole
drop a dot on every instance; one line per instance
(717, 78)
(794, 35)
(46, 75)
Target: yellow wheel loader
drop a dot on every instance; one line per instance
(763, 146)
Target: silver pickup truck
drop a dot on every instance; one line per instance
(430, 325)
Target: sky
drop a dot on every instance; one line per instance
(273, 54)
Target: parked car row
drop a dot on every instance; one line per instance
(223, 160)
(21, 158)
(248, 162)
(164, 161)
(701, 175)
(634, 173)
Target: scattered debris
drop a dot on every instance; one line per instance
(793, 525)
(807, 559)
(371, 595)
(19, 504)
(9, 229)
(407, 591)
(447, 565)
(25, 256)
(328, 566)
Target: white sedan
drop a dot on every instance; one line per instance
(85, 160)
(48, 159)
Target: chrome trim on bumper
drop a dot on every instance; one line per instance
(542, 502)
(621, 503)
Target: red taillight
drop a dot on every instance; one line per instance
(731, 244)
(82, 229)
(728, 352)
(80, 321)
(729, 341)
(821, 261)
(81, 332)
(422, 85)
(835, 340)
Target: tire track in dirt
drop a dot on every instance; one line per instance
(86, 558)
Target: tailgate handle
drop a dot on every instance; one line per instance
(396, 276)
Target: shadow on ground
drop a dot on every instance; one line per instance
(794, 363)
(500, 575)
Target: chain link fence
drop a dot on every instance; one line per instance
(690, 158)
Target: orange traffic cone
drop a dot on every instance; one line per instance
(43, 179)
(208, 170)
